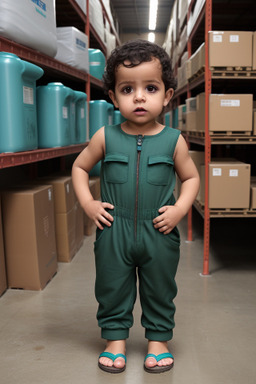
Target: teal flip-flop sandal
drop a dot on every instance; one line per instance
(158, 369)
(112, 357)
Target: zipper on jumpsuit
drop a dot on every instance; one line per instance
(139, 144)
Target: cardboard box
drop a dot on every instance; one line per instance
(254, 51)
(79, 213)
(230, 113)
(229, 185)
(253, 193)
(89, 226)
(198, 159)
(182, 76)
(66, 235)
(254, 122)
(94, 184)
(230, 49)
(200, 112)
(197, 60)
(29, 236)
(3, 280)
(191, 121)
(191, 104)
(63, 192)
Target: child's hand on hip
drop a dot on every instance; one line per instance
(169, 217)
(96, 210)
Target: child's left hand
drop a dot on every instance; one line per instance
(169, 217)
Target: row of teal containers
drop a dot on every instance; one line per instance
(46, 116)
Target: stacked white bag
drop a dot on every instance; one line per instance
(73, 48)
(31, 23)
(96, 17)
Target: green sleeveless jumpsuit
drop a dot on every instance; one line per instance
(137, 177)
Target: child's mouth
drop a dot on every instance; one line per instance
(140, 111)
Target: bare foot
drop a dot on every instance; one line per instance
(115, 347)
(157, 347)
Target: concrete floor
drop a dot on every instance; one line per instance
(52, 337)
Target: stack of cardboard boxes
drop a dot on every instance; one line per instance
(68, 217)
(253, 193)
(94, 184)
(29, 236)
(227, 113)
(3, 280)
(230, 183)
(43, 224)
(227, 50)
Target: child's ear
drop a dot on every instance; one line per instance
(113, 98)
(168, 95)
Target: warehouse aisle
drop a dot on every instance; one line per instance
(51, 336)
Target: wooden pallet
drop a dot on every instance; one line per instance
(225, 212)
(236, 134)
(197, 74)
(232, 212)
(224, 134)
(233, 72)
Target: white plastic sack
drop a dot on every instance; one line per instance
(72, 48)
(96, 18)
(31, 23)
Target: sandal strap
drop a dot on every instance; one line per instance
(162, 356)
(112, 357)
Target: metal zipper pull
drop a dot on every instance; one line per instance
(139, 142)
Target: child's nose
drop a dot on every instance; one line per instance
(139, 95)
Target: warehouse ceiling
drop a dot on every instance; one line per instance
(133, 15)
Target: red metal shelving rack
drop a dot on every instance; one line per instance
(60, 69)
(206, 13)
(208, 140)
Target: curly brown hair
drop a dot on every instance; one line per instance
(136, 52)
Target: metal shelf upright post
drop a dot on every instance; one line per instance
(207, 146)
(189, 216)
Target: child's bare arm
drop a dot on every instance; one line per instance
(90, 156)
(186, 170)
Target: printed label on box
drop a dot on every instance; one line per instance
(234, 38)
(217, 38)
(216, 171)
(28, 96)
(229, 103)
(233, 172)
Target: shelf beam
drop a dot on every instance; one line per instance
(41, 59)
(8, 160)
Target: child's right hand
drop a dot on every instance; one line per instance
(96, 210)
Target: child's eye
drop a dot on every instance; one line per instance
(151, 88)
(127, 90)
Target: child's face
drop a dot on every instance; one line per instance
(140, 92)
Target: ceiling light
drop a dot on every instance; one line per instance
(151, 37)
(153, 7)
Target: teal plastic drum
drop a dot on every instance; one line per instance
(18, 113)
(55, 115)
(97, 63)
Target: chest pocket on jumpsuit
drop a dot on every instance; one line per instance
(159, 169)
(116, 168)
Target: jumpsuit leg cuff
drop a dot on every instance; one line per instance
(115, 334)
(158, 336)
